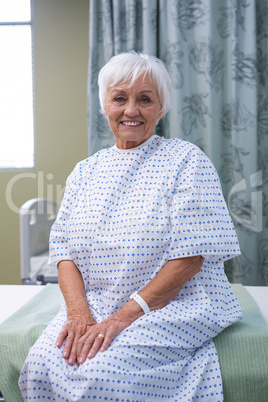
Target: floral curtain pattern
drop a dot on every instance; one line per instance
(217, 55)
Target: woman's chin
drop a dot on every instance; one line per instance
(130, 139)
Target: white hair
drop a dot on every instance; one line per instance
(130, 66)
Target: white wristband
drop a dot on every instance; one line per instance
(138, 299)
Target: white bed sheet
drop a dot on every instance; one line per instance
(12, 297)
(260, 295)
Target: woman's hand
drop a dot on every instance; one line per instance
(99, 336)
(79, 318)
(77, 325)
(84, 337)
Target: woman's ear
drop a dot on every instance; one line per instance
(160, 114)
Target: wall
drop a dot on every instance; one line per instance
(60, 41)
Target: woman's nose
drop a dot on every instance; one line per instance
(132, 108)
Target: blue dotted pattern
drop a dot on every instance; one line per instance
(124, 214)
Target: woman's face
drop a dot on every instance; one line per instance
(133, 112)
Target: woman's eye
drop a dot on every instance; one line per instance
(145, 100)
(119, 99)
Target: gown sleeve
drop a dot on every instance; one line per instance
(58, 242)
(200, 220)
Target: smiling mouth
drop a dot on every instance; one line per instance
(131, 123)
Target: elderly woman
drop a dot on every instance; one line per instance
(139, 242)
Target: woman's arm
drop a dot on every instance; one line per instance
(157, 293)
(168, 282)
(79, 317)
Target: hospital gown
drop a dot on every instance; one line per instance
(124, 214)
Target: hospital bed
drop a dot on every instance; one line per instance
(25, 311)
(36, 218)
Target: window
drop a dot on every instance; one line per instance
(16, 85)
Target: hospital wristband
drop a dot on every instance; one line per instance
(138, 299)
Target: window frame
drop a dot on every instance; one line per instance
(30, 24)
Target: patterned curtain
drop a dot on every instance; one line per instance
(216, 53)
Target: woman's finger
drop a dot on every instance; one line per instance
(106, 342)
(96, 345)
(84, 345)
(62, 335)
(85, 339)
(68, 344)
(73, 353)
